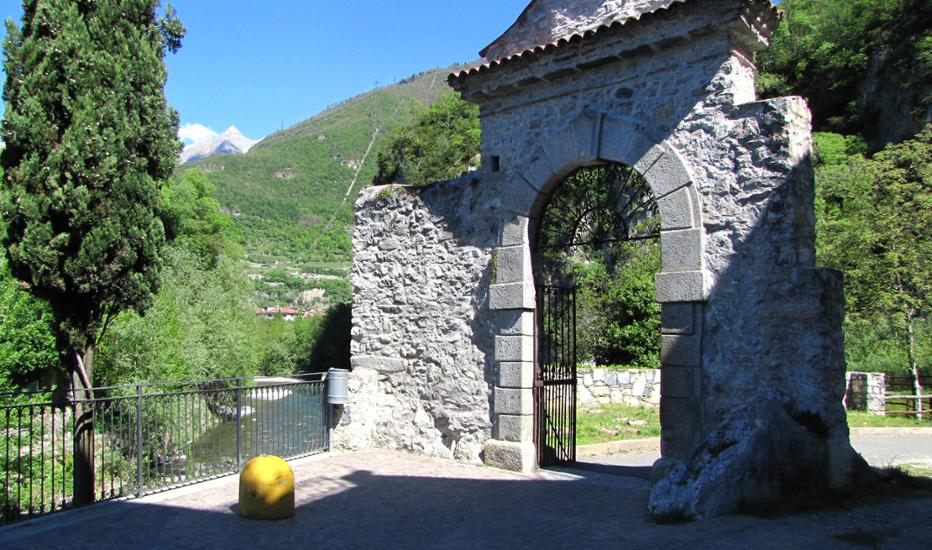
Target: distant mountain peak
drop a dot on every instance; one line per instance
(230, 142)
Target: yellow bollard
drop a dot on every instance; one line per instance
(266, 489)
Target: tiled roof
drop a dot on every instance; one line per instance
(490, 65)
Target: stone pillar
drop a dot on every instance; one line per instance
(512, 299)
(681, 363)
(865, 392)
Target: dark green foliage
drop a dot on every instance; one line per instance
(442, 143)
(599, 234)
(618, 314)
(330, 342)
(858, 63)
(89, 138)
(202, 324)
(27, 341)
(192, 218)
(312, 344)
(874, 222)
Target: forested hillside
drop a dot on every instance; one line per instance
(291, 196)
(864, 66)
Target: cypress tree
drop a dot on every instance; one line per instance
(89, 138)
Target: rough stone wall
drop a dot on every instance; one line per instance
(635, 387)
(865, 392)
(421, 338)
(752, 353)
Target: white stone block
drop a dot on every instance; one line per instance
(512, 296)
(514, 231)
(678, 318)
(646, 162)
(514, 348)
(514, 401)
(380, 364)
(513, 264)
(667, 173)
(514, 427)
(616, 139)
(515, 322)
(679, 209)
(681, 349)
(681, 250)
(681, 286)
(519, 196)
(510, 455)
(515, 374)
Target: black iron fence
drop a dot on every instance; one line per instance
(135, 440)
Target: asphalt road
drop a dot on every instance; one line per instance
(882, 449)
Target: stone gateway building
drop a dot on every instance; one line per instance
(447, 329)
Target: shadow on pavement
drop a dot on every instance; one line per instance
(583, 468)
(360, 509)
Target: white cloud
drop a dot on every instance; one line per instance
(195, 133)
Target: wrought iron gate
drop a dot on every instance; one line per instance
(555, 376)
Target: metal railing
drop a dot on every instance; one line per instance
(146, 438)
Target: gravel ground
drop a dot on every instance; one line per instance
(385, 499)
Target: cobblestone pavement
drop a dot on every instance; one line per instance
(384, 499)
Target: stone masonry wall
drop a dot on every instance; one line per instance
(865, 392)
(752, 353)
(421, 337)
(635, 387)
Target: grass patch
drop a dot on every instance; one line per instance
(589, 366)
(859, 419)
(603, 423)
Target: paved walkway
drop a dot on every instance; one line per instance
(384, 499)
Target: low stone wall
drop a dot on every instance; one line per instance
(635, 387)
(864, 391)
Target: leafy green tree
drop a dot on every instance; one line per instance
(201, 326)
(192, 217)
(848, 57)
(619, 317)
(440, 144)
(874, 223)
(89, 139)
(27, 341)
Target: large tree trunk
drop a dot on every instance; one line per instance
(83, 395)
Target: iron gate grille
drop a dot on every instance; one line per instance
(555, 376)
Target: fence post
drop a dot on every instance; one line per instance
(239, 423)
(138, 439)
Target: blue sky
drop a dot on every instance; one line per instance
(261, 65)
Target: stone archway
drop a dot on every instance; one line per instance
(752, 353)
(681, 286)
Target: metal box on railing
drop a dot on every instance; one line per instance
(336, 386)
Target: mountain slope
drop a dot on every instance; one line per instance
(291, 195)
